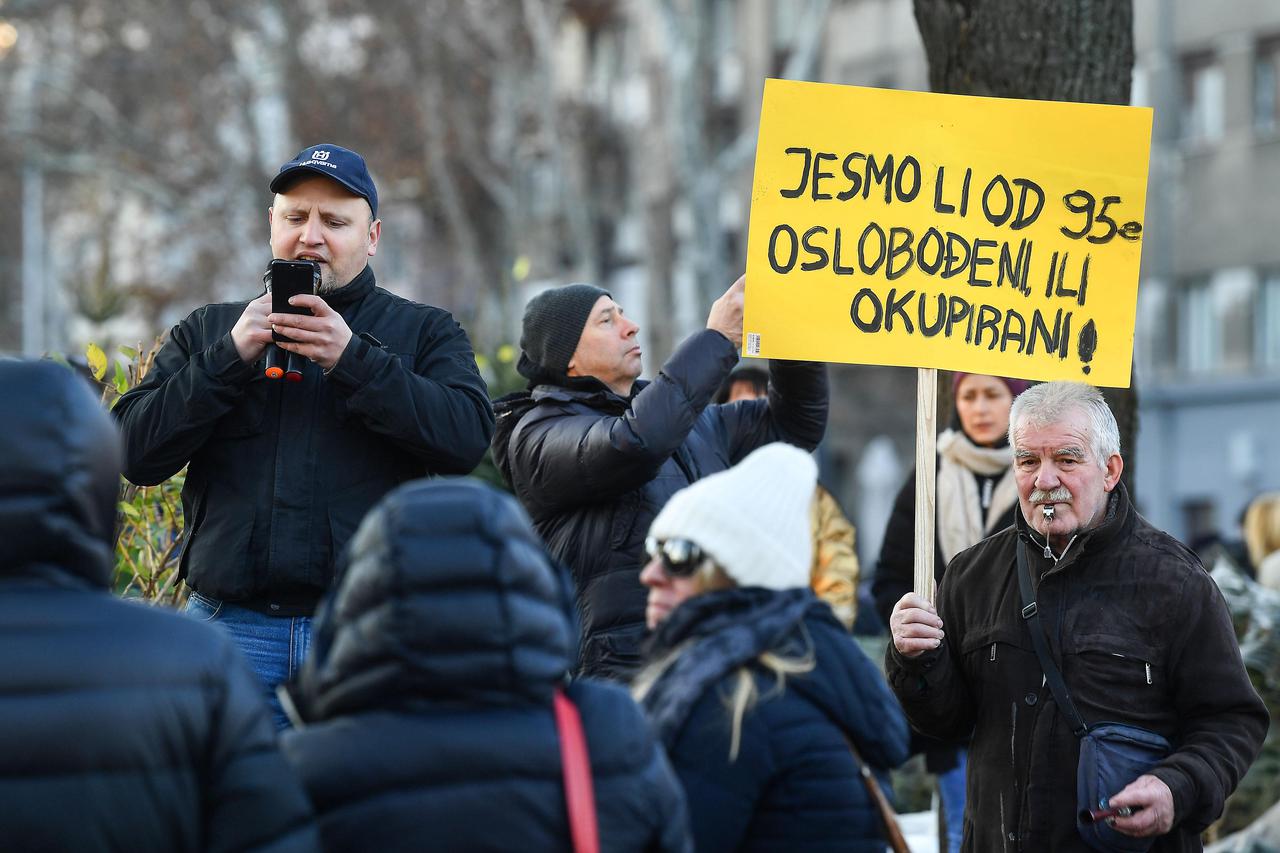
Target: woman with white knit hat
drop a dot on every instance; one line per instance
(754, 687)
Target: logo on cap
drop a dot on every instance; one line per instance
(319, 154)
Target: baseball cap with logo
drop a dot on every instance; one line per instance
(335, 162)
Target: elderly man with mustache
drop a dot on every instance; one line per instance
(1129, 618)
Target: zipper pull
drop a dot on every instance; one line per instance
(1148, 673)
(993, 651)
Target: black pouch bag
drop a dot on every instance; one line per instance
(1111, 754)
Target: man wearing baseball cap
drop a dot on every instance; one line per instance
(594, 454)
(280, 473)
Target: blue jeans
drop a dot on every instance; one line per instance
(274, 646)
(951, 792)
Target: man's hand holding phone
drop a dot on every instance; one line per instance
(320, 337)
(252, 332)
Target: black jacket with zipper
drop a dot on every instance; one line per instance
(1141, 635)
(281, 473)
(592, 469)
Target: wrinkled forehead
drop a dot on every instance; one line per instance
(1069, 433)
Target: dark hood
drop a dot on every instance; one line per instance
(60, 458)
(446, 597)
(507, 413)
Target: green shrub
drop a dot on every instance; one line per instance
(150, 530)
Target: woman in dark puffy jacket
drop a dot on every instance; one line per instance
(754, 687)
(425, 709)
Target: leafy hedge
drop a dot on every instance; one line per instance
(150, 530)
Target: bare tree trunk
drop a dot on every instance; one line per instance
(658, 194)
(1053, 50)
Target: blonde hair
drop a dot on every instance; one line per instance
(1262, 527)
(710, 577)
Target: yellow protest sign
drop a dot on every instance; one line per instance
(979, 234)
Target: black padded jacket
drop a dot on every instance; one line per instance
(593, 469)
(427, 699)
(122, 727)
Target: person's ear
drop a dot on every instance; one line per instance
(1114, 468)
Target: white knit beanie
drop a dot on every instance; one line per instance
(753, 519)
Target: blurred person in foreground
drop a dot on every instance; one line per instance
(753, 686)
(1262, 538)
(834, 572)
(424, 714)
(279, 473)
(1136, 626)
(593, 453)
(122, 727)
(976, 496)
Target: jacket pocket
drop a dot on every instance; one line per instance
(1003, 663)
(1115, 678)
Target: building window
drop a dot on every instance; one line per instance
(1201, 119)
(1219, 323)
(1156, 331)
(1269, 323)
(1266, 85)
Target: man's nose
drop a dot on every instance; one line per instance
(629, 329)
(1046, 478)
(312, 232)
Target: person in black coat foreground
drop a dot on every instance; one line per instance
(593, 454)
(122, 727)
(424, 713)
(754, 687)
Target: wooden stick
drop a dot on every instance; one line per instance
(926, 475)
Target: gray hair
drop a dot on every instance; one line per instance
(1050, 402)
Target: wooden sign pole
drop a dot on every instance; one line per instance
(926, 476)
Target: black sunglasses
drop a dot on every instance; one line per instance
(680, 557)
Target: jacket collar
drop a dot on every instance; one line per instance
(352, 292)
(590, 392)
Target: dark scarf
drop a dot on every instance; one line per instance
(723, 631)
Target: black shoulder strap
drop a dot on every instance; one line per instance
(1031, 615)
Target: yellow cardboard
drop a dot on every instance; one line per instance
(987, 235)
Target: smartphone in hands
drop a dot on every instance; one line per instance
(288, 279)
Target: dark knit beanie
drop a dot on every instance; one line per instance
(553, 324)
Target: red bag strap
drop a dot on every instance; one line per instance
(579, 791)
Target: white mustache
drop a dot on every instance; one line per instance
(1060, 495)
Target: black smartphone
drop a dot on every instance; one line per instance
(288, 279)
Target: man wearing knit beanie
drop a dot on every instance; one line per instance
(593, 453)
